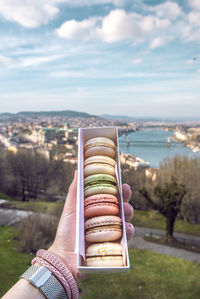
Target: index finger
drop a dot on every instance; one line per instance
(126, 192)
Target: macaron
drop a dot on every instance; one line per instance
(99, 146)
(107, 254)
(100, 183)
(103, 229)
(101, 204)
(99, 164)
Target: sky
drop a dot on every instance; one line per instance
(119, 57)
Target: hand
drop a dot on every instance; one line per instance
(65, 240)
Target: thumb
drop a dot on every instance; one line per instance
(70, 203)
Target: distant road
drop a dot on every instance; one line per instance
(11, 216)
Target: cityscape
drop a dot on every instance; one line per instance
(57, 136)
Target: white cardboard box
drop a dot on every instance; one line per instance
(84, 135)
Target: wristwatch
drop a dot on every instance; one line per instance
(43, 279)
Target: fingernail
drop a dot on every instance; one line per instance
(130, 205)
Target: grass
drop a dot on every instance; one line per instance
(13, 263)
(155, 220)
(152, 275)
(4, 196)
(141, 218)
(35, 206)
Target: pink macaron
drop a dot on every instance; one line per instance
(101, 204)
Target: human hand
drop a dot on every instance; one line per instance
(65, 240)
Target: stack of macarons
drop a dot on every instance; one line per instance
(103, 226)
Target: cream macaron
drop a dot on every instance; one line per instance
(99, 164)
(103, 229)
(99, 146)
(107, 254)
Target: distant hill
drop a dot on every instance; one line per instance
(118, 117)
(64, 113)
(129, 118)
(149, 119)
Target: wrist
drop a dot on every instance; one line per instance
(43, 280)
(59, 269)
(69, 258)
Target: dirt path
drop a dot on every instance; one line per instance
(190, 239)
(11, 216)
(139, 242)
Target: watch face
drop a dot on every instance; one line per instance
(41, 275)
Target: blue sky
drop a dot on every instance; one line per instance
(119, 57)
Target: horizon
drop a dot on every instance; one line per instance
(138, 58)
(163, 118)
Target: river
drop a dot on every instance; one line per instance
(152, 146)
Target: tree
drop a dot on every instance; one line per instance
(6, 177)
(136, 180)
(30, 172)
(186, 170)
(168, 202)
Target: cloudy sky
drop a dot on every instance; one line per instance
(137, 58)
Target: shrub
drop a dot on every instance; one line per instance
(36, 231)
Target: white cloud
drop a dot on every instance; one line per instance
(28, 13)
(30, 61)
(68, 74)
(33, 13)
(190, 61)
(170, 10)
(191, 31)
(179, 98)
(137, 61)
(119, 25)
(194, 18)
(157, 42)
(194, 4)
(91, 2)
(74, 29)
(34, 61)
(93, 73)
(191, 34)
(5, 61)
(116, 26)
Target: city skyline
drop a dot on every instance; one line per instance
(101, 57)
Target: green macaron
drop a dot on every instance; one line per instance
(100, 183)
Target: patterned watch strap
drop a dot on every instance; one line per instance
(42, 278)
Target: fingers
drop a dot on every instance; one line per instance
(126, 192)
(129, 230)
(128, 211)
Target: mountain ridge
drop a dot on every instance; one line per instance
(67, 113)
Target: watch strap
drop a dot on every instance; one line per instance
(43, 279)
